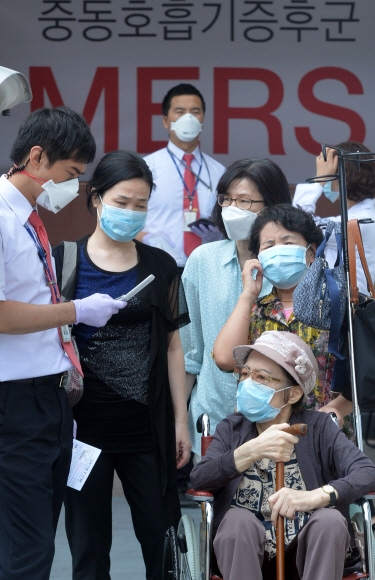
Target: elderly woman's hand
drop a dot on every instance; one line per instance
(273, 443)
(251, 287)
(287, 502)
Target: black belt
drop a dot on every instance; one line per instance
(47, 381)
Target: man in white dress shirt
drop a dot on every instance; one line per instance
(51, 150)
(185, 179)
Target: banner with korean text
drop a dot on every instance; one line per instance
(279, 78)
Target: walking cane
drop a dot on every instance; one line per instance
(297, 429)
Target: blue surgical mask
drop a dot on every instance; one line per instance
(284, 265)
(122, 225)
(253, 401)
(331, 195)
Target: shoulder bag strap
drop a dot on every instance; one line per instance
(329, 229)
(355, 240)
(68, 269)
(352, 264)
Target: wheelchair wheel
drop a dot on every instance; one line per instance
(364, 537)
(170, 558)
(188, 558)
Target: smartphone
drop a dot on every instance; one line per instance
(202, 221)
(137, 288)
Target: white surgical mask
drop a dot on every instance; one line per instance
(187, 127)
(238, 222)
(57, 195)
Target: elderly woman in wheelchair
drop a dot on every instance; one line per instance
(323, 470)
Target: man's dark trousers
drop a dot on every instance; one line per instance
(36, 429)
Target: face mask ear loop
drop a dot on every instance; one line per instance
(308, 247)
(97, 209)
(284, 389)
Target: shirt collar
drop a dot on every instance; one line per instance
(367, 203)
(177, 152)
(229, 252)
(271, 307)
(269, 298)
(15, 200)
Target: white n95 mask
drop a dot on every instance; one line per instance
(238, 222)
(57, 195)
(187, 127)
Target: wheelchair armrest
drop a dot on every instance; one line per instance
(199, 495)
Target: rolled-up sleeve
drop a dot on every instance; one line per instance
(192, 334)
(307, 195)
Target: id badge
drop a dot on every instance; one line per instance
(189, 218)
(65, 333)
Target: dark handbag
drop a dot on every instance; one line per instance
(73, 382)
(319, 300)
(363, 308)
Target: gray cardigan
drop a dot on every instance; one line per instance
(324, 456)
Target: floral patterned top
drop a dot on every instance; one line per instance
(268, 314)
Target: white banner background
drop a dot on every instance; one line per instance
(335, 37)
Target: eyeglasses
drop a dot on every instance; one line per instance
(242, 372)
(242, 203)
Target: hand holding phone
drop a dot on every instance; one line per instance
(201, 222)
(206, 230)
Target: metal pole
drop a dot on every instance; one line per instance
(344, 230)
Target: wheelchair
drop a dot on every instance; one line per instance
(187, 557)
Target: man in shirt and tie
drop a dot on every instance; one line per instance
(185, 179)
(51, 150)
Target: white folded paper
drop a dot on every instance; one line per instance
(83, 460)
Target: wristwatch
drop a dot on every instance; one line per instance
(332, 494)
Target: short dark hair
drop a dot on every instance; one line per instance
(291, 218)
(360, 184)
(114, 167)
(267, 176)
(181, 89)
(61, 132)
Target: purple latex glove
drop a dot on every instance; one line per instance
(207, 233)
(97, 309)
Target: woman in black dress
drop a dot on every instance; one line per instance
(134, 404)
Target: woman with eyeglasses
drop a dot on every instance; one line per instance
(322, 469)
(133, 406)
(212, 282)
(284, 240)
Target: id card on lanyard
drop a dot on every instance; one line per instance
(189, 218)
(189, 213)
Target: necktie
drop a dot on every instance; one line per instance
(191, 241)
(41, 233)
